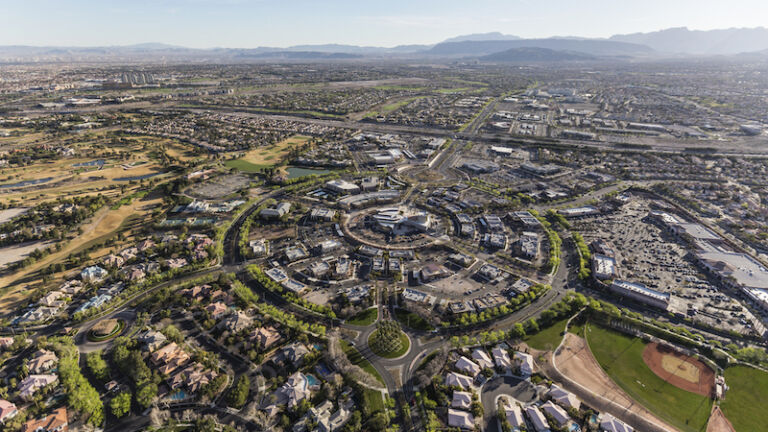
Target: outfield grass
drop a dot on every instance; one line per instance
(621, 358)
(411, 320)
(549, 338)
(357, 359)
(405, 343)
(364, 318)
(747, 386)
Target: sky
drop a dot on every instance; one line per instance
(281, 23)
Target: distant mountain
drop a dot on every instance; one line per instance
(492, 36)
(533, 55)
(299, 55)
(591, 47)
(699, 42)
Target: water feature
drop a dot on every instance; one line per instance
(98, 162)
(26, 183)
(296, 172)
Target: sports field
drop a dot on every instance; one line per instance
(547, 339)
(621, 357)
(744, 403)
(263, 157)
(680, 370)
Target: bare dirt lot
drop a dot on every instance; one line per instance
(718, 422)
(576, 362)
(679, 369)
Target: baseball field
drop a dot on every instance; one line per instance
(744, 402)
(621, 357)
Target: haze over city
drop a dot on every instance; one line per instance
(249, 24)
(400, 216)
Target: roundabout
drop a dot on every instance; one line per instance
(106, 329)
(388, 341)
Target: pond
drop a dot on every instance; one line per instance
(296, 172)
(26, 183)
(98, 162)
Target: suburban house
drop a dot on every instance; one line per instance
(563, 398)
(265, 337)
(169, 358)
(217, 309)
(55, 422)
(525, 363)
(461, 400)
(93, 274)
(481, 358)
(468, 366)
(294, 354)
(236, 322)
(501, 357)
(7, 410)
(31, 384)
(460, 419)
(152, 340)
(557, 413)
(537, 419)
(295, 389)
(42, 361)
(458, 380)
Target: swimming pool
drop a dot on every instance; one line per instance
(178, 395)
(311, 380)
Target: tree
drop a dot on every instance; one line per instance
(146, 393)
(120, 404)
(239, 395)
(172, 333)
(378, 422)
(386, 339)
(206, 424)
(97, 366)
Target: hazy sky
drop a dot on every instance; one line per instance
(252, 23)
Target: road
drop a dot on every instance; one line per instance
(520, 389)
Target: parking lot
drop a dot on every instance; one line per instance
(647, 254)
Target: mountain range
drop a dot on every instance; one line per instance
(744, 43)
(696, 42)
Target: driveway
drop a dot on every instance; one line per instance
(518, 388)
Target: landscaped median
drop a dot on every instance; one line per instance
(105, 330)
(364, 318)
(388, 340)
(357, 359)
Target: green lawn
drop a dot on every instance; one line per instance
(245, 166)
(357, 359)
(747, 386)
(411, 320)
(373, 401)
(549, 338)
(404, 342)
(364, 318)
(621, 357)
(577, 329)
